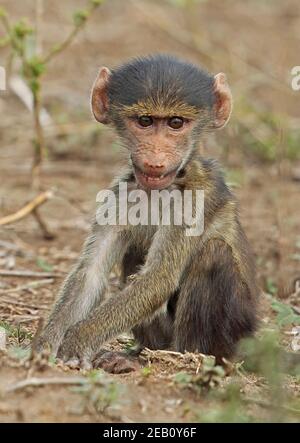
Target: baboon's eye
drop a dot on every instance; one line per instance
(145, 121)
(175, 122)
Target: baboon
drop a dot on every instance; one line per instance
(185, 293)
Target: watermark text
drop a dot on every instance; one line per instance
(164, 207)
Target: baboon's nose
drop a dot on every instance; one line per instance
(153, 168)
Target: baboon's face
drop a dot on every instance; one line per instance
(160, 107)
(158, 148)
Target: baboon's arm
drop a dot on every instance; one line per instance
(85, 286)
(150, 288)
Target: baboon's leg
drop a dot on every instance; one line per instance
(155, 334)
(215, 307)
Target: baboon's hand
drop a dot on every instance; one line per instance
(73, 351)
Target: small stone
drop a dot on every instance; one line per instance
(2, 339)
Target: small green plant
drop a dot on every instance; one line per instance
(19, 352)
(271, 286)
(229, 409)
(41, 263)
(285, 313)
(209, 376)
(99, 392)
(264, 356)
(185, 3)
(21, 37)
(146, 371)
(16, 332)
(232, 403)
(130, 346)
(234, 177)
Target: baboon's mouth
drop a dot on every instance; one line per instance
(156, 181)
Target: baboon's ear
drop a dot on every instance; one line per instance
(99, 97)
(223, 104)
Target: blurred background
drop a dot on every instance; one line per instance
(255, 42)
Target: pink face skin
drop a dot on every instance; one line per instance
(158, 148)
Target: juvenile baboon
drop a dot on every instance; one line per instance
(186, 293)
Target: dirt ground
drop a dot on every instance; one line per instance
(83, 159)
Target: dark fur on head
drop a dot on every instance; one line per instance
(158, 83)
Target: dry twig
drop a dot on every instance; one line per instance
(36, 382)
(27, 209)
(31, 285)
(10, 301)
(188, 360)
(29, 274)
